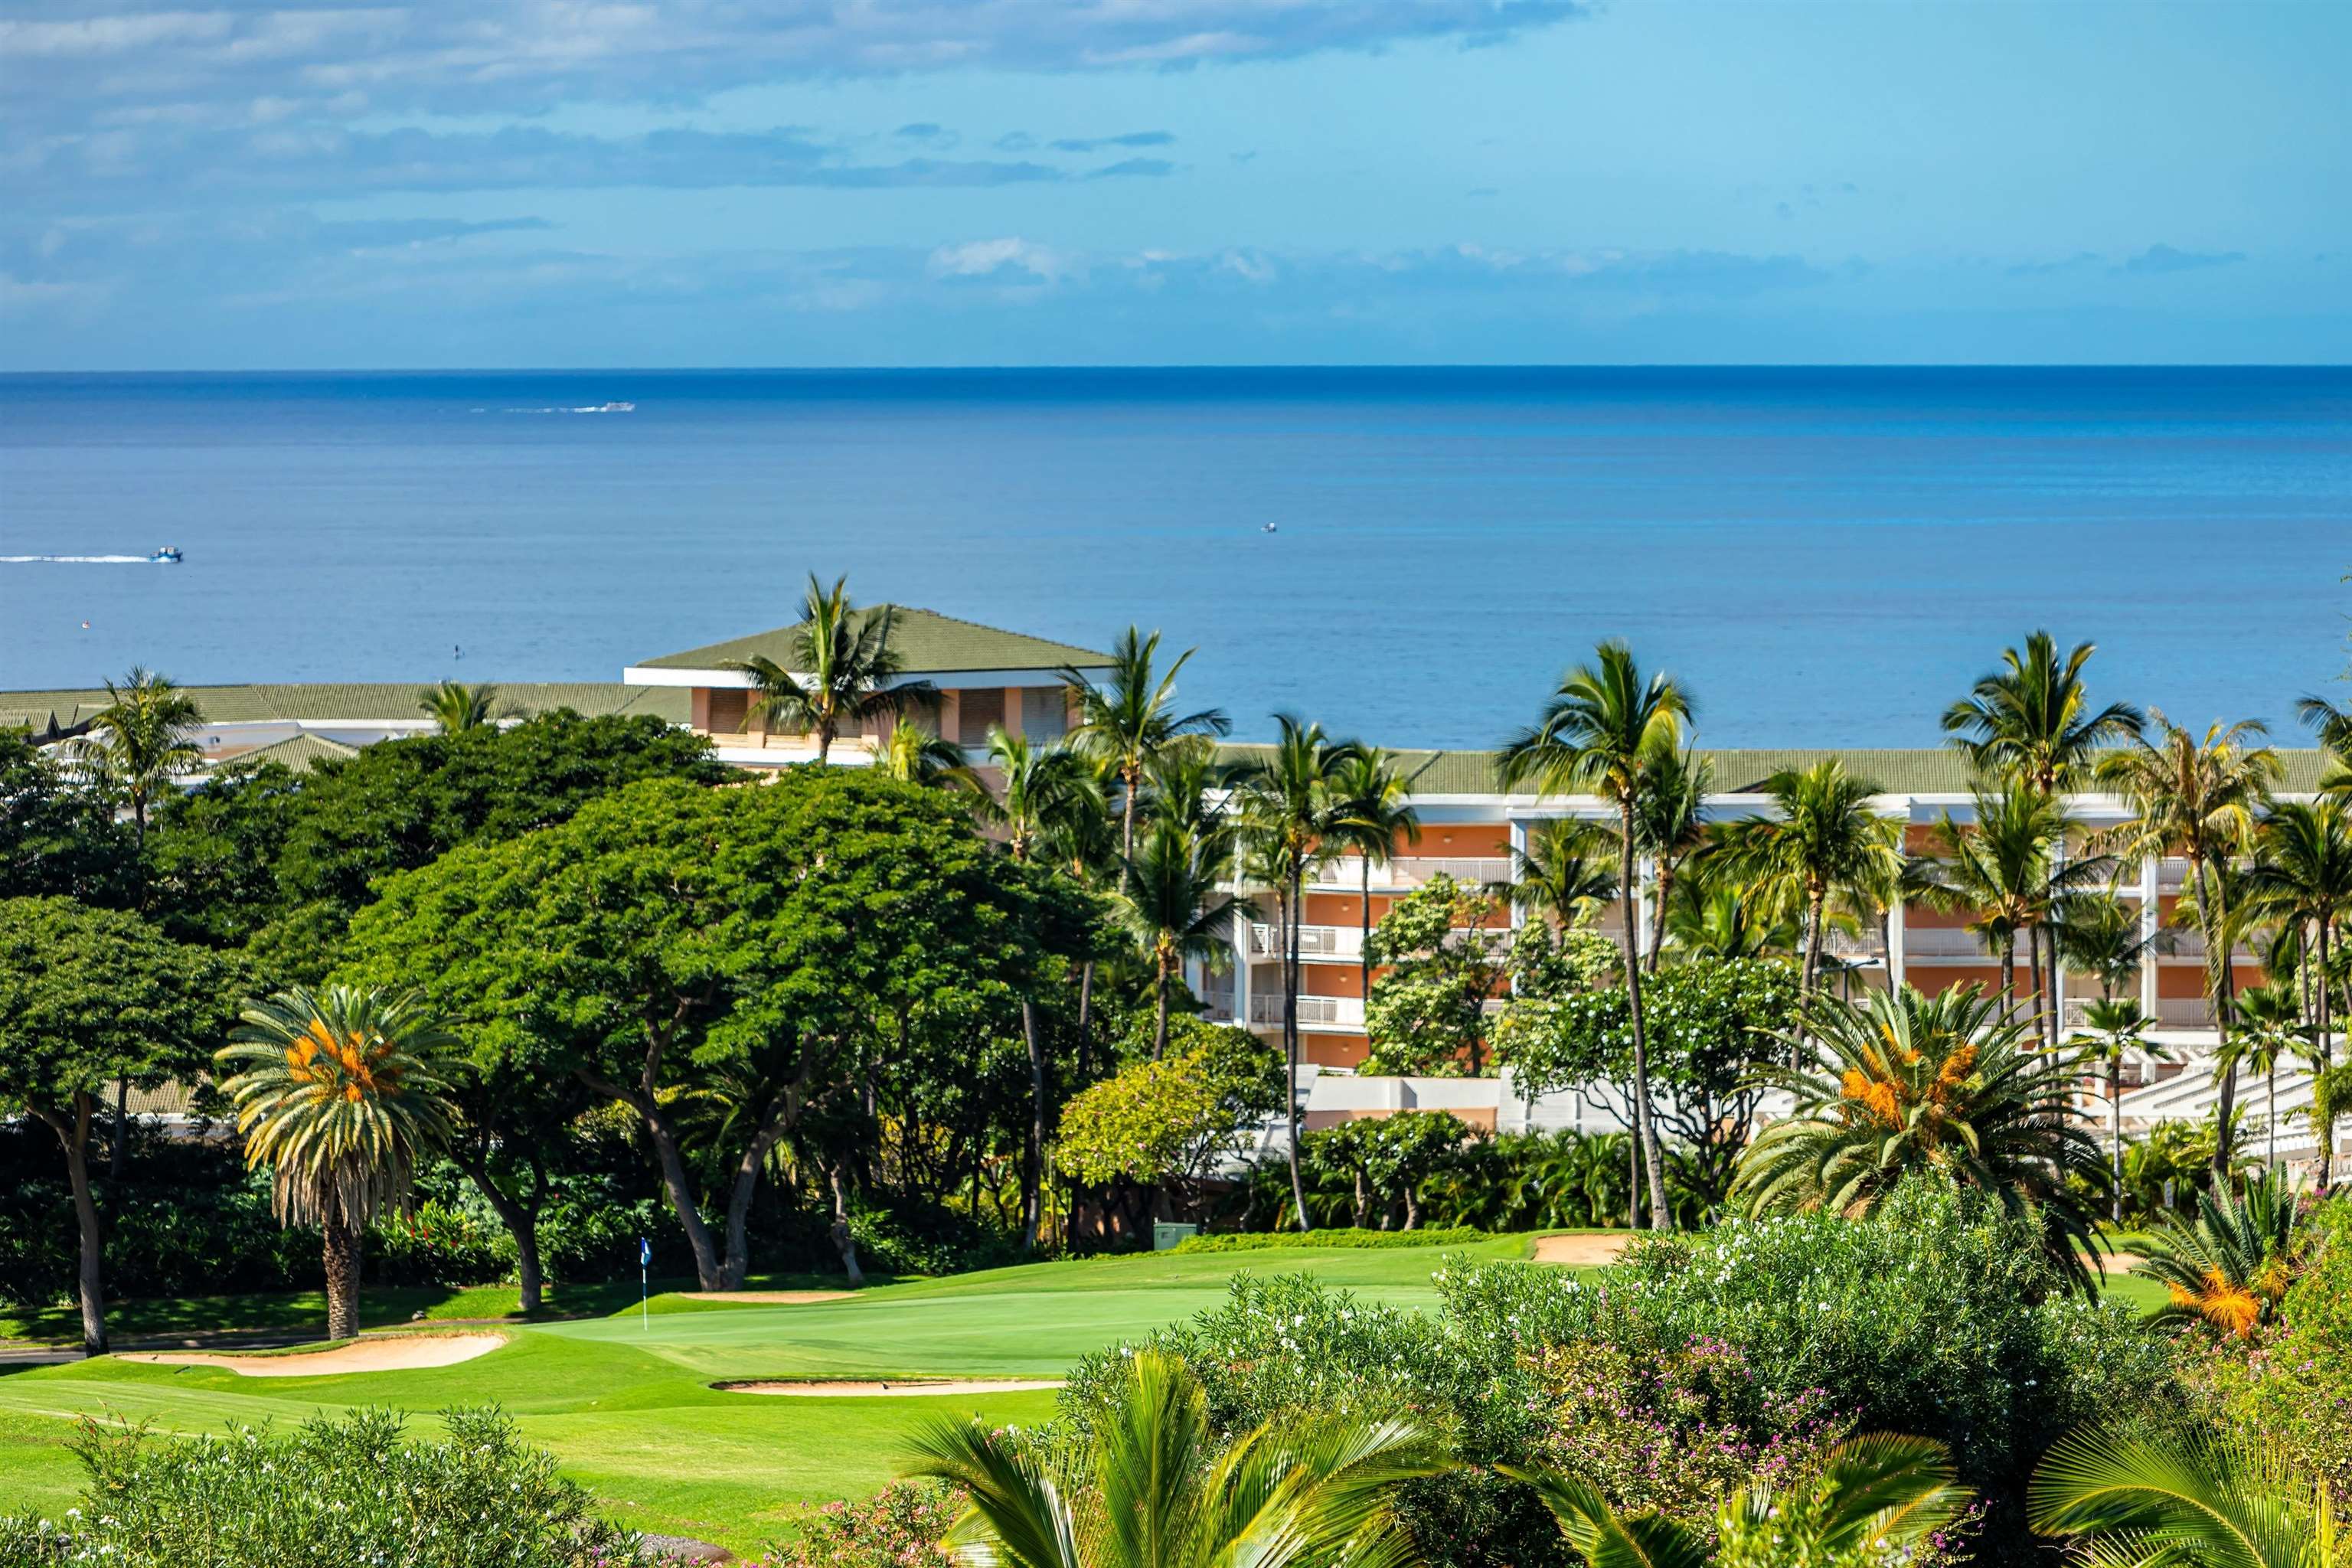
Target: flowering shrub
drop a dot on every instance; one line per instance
(898, 1526)
(335, 1493)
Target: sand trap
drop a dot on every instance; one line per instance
(896, 1388)
(769, 1298)
(2120, 1262)
(405, 1354)
(1583, 1251)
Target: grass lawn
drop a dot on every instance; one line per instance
(627, 1407)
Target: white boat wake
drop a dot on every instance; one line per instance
(81, 559)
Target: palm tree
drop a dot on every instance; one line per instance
(2228, 1269)
(1185, 784)
(144, 737)
(1292, 810)
(2100, 936)
(847, 671)
(1175, 910)
(1901, 1082)
(2305, 874)
(1564, 871)
(2266, 1029)
(1669, 827)
(2184, 1499)
(1132, 719)
(2004, 870)
(1377, 811)
(455, 708)
(2113, 1030)
(1825, 841)
(2195, 799)
(1601, 733)
(1864, 1501)
(913, 754)
(2335, 726)
(2031, 722)
(1158, 1495)
(342, 1092)
(1719, 919)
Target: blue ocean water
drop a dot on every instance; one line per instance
(1823, 556)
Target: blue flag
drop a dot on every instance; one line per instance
(645, 1252)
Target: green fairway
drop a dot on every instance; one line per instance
(627, 1405)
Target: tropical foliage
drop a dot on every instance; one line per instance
(2228, 1270)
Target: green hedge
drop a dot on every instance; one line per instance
(1284, 1240)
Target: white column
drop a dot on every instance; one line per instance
(1896, 971)
(1519, 848)
(2149, 915)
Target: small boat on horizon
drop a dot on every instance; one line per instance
(167, 554)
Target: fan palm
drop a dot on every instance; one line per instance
(2032, 723)
(455, 708)
(1601, 733)
(1132, 719)
(1899, 1082)
(1565, 870)
(341, 1092)
(1669, 827)
(2195, 798)
(1291, 807)
(1157, 1495)
(2229, 1268)
(1377, 812)
(142, 737)
(2184, 1499)
(1176, 910)
(845, 670)
(1825, 840)
(2112, 1031)
(1864, 1502)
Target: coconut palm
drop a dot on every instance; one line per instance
(1602, 733)
(2335, 726)
(341, 1092)
(1157, 1494)
(2228, 1269)
(1864, 1502)
(1132, 719)
(2102, 936)
(1176, 910)
(1899, 1082)
(455, 708)
(1718, 918)
(845, 671)
(2184, 1499)
(912, 755)
(2113, 1030)
(2304, 876)
(1186, 784)
(2195, 798)
(2005, 871)
(1565, 871)
(143, 737)
(2268, 1027)
(1824, 840)
(1291, 805)
(1669, 827)
(1377, 813)
(2032, 723)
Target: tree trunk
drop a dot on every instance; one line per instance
(1128, 780)
(521, 1221)
(1032, 1170)
(1645, 1130)
(118, 1134)
(74, 1134)
(1086, 1018)
(676, 1182)
(2327, 1056)
(342, 1254)
(1633, 1179)
(1363, 1199)
(782, 1112)
(2116, 1135)
(2009, 975)
(1290, 1040)
(843, 1242)
(1658, 914)
(1160, 1018)
(1411, 1208)
(2217, 1000)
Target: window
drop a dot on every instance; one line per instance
(1044, 712)
(727, 711)
(978, 711)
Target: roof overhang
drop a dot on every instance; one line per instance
(946, 680)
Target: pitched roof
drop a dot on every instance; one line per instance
(927, 643)
(301, 752)
(360, 701)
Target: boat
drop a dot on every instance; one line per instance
(169, 554)
(1269, 528)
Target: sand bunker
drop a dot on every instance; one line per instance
(896, 1388)
(769, 1298)
(403, 1353)
(1582, 1251)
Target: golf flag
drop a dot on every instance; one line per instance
(645, 1252)
(644, 1308)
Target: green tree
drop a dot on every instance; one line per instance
(913, 754)
(2099, 935)
(1389, 1158)
(2230, 1269)
(2005, 871)
(2031, 722)
(2267, 1027)
(57, 837)
(1669, 827)
(2112, 1031)
(1155, 1492)
(1441, 948)
(1377, 813)
(1168, 1122)
(847, 672)
(142, 739)
(1291, 808)
(2335, 726)
(1824, 841)
(1176, 908)
(1715, 916)
(2185, 1499)
(1902, 1082)
(341, 1092)
(1563, 870)
(455, 708)
(2195, 798)
(2304, 875)
(90, 999)
(1131, 720)
(1601, 733)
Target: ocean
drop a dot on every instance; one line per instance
(1821, 556)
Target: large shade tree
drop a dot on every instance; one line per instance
(844, 670)
(1601, 733)
(342, 1092)
(90, 999)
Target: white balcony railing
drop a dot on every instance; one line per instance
(1944, 942)
(1314, 941)
(1314, 1012)
(1411, 871)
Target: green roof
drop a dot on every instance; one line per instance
(1927, 770)
(349, 701)
(301, 752)
(927, 643)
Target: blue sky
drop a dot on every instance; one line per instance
(559, 182)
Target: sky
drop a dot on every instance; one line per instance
(410, 183)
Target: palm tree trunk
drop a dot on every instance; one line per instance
(1633, 1179)
(341, 1256)
(1658, 914)
(2326, 1055)
(2217, 999)
(824, 741)
(1160, 1000)
(2270, 1153)
(1645, 1131)
(2116, 1135)
(1809, 976)
(1290, 1039)
(2009, 975)
(1129, 778)
(1033, 1167)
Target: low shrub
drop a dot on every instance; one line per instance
(1287, 1240)
(898, 1526)
(334, 1492)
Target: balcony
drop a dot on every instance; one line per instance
(1347, 942)
(1314, 1012)
(1407, 871)
(1932, 942)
